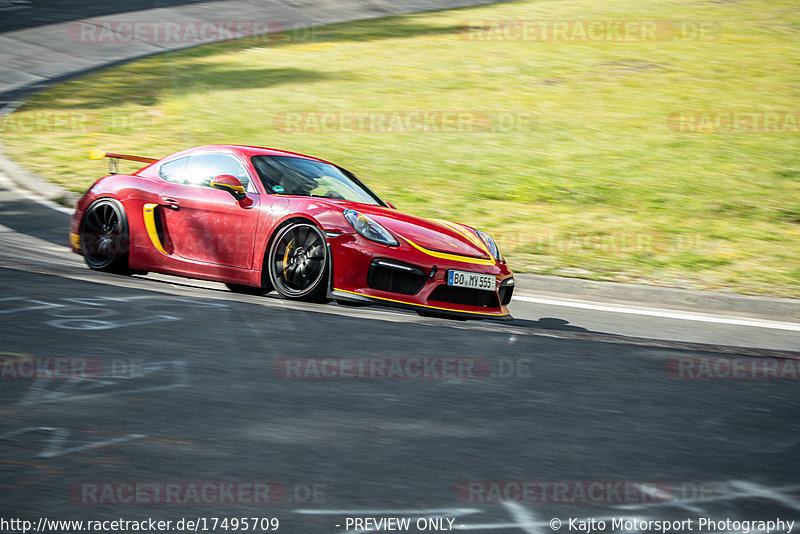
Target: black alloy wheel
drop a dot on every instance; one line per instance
(104, 236)
(298, 262)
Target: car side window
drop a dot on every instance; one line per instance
(203, 167)
(173, 171)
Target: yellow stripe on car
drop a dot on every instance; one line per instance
(150, 225)
(75, 240)
(453, 257)
(465, 232)
(421, 305)
(237, 188)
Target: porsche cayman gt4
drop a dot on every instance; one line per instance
(260, 219)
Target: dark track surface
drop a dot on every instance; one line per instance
(36, 220)
(210, 406)
(19, 14)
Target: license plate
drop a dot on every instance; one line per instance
(471, 280)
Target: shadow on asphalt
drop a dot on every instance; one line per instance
(34, 219)
(550, 323)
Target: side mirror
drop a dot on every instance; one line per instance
(391, 205)
(231, 184)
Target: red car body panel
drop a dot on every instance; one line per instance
(206, 233)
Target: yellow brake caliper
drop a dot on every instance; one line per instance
(286, 257)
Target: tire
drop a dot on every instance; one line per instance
(104, 237)
(298, 262)
(248, 290)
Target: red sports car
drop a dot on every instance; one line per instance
(260, 219)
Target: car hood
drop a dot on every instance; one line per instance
(437, 235)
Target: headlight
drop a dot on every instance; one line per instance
(369, 228)
(489, 242)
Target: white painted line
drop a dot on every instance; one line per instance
(11, 186)
(52, 205)
(683, 316)
(524, 517)
(63, 391)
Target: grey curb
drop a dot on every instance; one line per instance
(325, 12)
(33, 184)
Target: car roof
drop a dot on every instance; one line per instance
(249, 151)
(243, 151)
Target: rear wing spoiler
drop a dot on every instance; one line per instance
(96, 153)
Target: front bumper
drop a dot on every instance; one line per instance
(353, 279)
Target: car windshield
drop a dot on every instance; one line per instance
(289, 175)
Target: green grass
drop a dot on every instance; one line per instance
(597, 186)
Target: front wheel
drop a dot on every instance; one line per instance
(104, 236)
(298, 262)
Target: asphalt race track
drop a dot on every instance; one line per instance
(165, 398)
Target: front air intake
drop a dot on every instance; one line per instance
(395, 277)
(465, 296)
(506, 290)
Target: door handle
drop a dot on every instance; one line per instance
(169, 203)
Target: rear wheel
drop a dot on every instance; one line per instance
(104, 236)
(298, 262)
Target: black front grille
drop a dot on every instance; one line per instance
(389, 275)
(465, 296)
